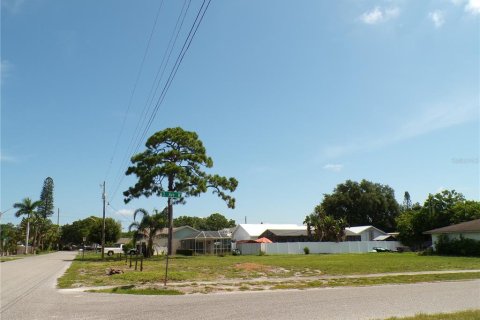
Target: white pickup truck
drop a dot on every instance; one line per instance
(117, 248)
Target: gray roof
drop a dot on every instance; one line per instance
(469, 226)
(287, 233)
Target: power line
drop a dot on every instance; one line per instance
(186, 45)
(156, 83)
(134, 88)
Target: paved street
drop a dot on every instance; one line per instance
(28, 292)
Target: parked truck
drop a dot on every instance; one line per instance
(116, 248)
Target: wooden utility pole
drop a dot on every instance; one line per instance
(58, 228)
(103, 222)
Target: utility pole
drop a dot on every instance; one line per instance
(58, 226)
(103, 222)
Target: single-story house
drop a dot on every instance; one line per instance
(208, 242)
(286, 235)
(179, 233)
(469, 229)
(161, 238)
(364, 233)
(253, 231)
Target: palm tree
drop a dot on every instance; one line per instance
(26, 207)
(309, 222)
(149, 225)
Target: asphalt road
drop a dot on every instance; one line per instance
(28, 292)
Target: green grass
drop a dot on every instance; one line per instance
(143, 291)
(5, 259)
(91, 271)
(463, 315)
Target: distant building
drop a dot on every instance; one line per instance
(469, 229)
(253, 231)
(365, 233)
(208, 242)
(286, 235)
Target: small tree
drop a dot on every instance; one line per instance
(326, 227)
(27, 207)
(175, 160)
(149, 225)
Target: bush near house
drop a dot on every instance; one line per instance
(458, 247)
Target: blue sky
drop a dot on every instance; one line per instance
(290, 97)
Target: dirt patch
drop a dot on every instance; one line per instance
(249, 266)
(260, 268)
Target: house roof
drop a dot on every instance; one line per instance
(288, 232)
(254, 230)
(352, 231)
(469, 226)
(164, 231)
(221, 234)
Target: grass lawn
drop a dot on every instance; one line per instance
(5, 259)
(463, 315)
(91, 271)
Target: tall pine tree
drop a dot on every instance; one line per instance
(46, 197)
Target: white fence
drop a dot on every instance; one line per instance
(316, 247)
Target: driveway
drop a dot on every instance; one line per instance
(28, 292)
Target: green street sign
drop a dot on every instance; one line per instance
(171, 194)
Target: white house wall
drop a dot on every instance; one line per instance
(240, 234)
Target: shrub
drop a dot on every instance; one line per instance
(127, 247)
(457, 247)
(306, 250)
(185, 252)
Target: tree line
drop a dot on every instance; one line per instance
(36, 228)
(367, 203)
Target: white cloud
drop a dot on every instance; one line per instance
(437, 17)
(373, 16)
(127, 213)
(431, 119)
(7, 158)
(436, 118)
(377, 15)
(473, 6)
(333, 167)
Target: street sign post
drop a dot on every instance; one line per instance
(171, 194)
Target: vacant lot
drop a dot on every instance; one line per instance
(244, 269)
